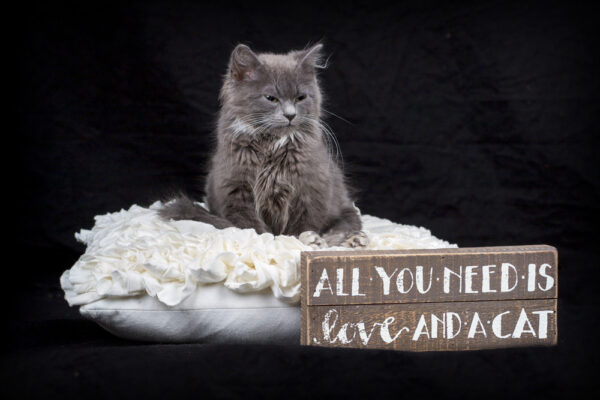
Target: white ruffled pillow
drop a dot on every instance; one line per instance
(211, 314)
(148, 279)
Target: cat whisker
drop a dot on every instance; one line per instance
(337, 116)
(327, 129)
(329, 136)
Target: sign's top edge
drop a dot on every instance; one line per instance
(453, 250)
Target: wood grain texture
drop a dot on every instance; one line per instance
(406, 276)
(430, 300)
(433, 326)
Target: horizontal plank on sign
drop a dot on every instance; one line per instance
(432, 326)
(416, 276)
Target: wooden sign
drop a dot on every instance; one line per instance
(430, 300)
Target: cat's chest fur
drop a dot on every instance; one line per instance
(276, 181)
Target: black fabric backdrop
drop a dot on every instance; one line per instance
(476, 120)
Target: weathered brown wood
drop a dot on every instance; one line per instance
(304, 308)
(413, 299)
(467, 274)
(432, 326)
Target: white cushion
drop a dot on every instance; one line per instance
(211, 314)
(182, 281)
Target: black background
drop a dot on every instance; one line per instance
(476, 120)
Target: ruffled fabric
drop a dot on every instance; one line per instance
(132, 252)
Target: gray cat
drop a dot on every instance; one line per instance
(272, 169)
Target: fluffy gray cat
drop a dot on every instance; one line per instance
(272, 169)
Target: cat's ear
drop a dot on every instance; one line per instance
(243, 63)
(311, 58)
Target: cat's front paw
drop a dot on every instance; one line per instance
(356, 239)
(312, 239)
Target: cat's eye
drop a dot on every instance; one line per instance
(301, 97)
(271, 98)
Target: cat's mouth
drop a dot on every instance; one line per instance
(286, 124)
(281, 134)
(284, 129)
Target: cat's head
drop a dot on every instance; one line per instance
(272, 92)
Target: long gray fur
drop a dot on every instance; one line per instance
(272, 169)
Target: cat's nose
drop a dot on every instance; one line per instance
(289, 115)
(289, 111)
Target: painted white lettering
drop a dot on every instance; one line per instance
(419, 279)
(531, 278)
(450, 333)
(543, 322)
(520, 327)
(324, 280)
(356, 282)
(469, 278)
(328, 325)
(505, 277)
(497, 326)
(385, 331)
(486, 271)
(549, 279)
(434, 325)
(385, 279)
(400, 281)
(476, 323)
(421, 329)
(339, 290)
(447, 274)
(362, 332)
(343, 334)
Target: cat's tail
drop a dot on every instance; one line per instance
(182, 207)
